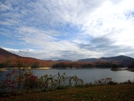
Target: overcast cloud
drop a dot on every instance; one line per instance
(68, 29)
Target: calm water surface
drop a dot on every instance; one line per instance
(88, 75)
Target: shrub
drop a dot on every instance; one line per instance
(26, 80)
(9, 83)
(104, 81)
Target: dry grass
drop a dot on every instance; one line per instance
(120, 92)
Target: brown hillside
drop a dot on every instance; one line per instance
(13, 60)
(7, 54)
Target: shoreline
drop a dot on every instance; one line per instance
(47, 68)
(3, 69)
(43, 68)
(130, 69)
(26, 68)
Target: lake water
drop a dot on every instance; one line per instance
(88, 75)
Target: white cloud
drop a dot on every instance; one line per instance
(4, 7)
(110, 20)
(50, 47)
(44, 26)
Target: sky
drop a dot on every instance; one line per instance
(67, 29)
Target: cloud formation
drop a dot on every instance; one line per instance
(68, 29)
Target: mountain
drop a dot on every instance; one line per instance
(88, 60)
(62, 60)
(12, 59)
(124, 60)
(131, 65)
(9, 59)
(7, 54)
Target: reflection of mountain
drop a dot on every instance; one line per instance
(124, 60)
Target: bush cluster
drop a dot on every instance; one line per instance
(26, 80)
(18, 80)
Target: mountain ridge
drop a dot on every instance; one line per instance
(6, 53)
(121, 59)
(10, 59)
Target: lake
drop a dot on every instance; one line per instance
(88, 75)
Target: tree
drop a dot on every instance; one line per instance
(131, 65)
(35, 65)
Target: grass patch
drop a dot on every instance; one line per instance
(119, 92)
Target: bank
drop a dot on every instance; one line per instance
(120, 92)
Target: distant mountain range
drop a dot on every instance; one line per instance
(124, 60)
(63, 60)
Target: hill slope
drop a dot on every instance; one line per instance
(125, 60)
(10, 59)
(6, 56)
(5, 53)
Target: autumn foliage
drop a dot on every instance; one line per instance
(8, 59)
(14, 61)
(80, 64)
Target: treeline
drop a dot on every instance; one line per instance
(24, 62)
(131, 65)
(79, 64)
(35, 63)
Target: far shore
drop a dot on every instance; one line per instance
(47, 68)
(3, 69)
(43, 68)
(130, 69)
(26, 68)
(31, 68)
